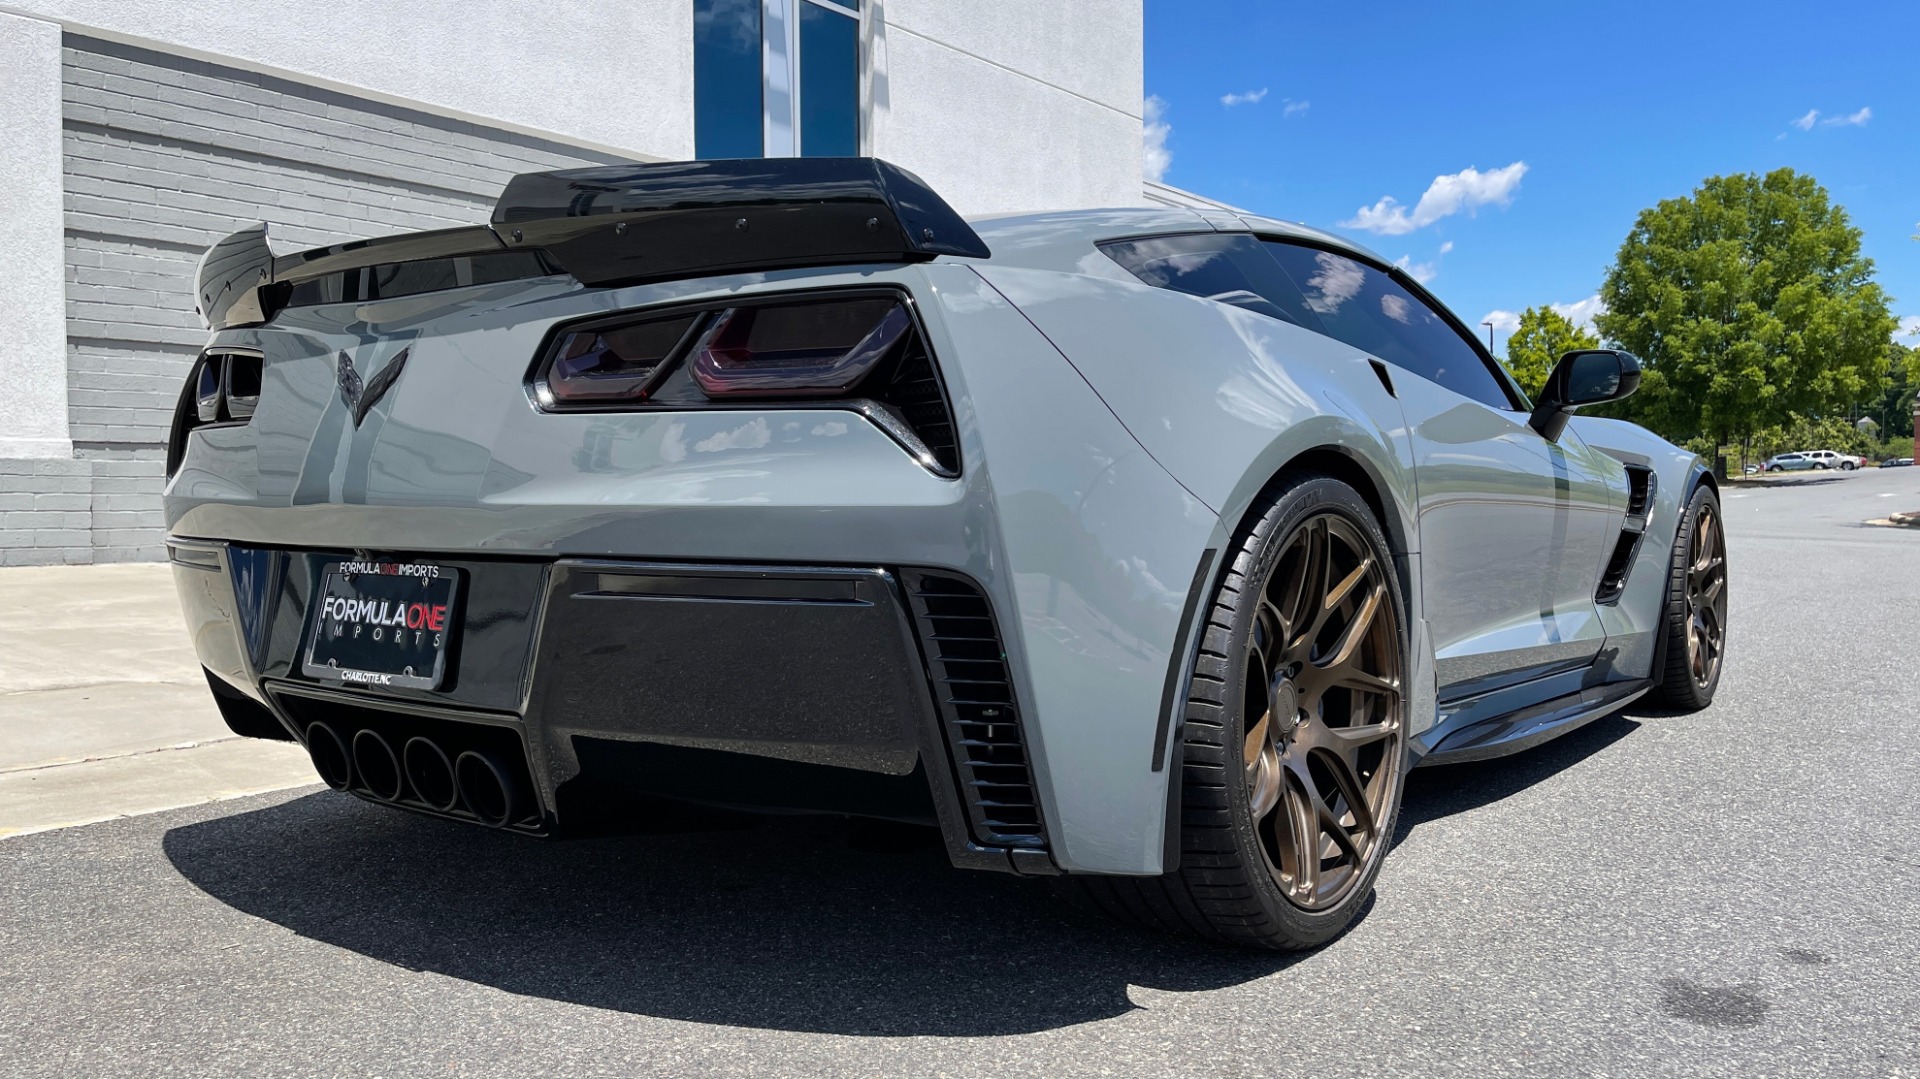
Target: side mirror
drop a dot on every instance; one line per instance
(1591, 376)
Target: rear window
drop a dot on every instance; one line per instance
(1225, 267)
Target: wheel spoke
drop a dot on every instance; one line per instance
(1257, 739)
(1354, 792)
(1263, 783)
(1302, 841)
(1355, 630)
(1308, 586)
(1347, 740)
(1338, 593)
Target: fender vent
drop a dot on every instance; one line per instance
(1640, 489)
(1614, 580)
(977, 709)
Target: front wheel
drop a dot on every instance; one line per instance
(1695, 621)
(1847, 466)
(1295, 737)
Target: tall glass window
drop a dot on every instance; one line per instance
(727, 104)
(776, 78)
(829, 81)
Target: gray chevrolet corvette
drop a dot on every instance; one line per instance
(1146, 547)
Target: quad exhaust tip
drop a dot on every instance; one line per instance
(367, 764)
(329, 756)
(430, 774)
(485, 788)
(376, 766)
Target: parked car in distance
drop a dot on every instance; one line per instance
(1788, 462)
(1830, 459)
(1897, 462)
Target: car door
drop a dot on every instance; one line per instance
(1513, 529)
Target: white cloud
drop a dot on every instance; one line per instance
(1503, 321)
(1155, 157)
(1447, 195)
(1581, 312)
(1294, 108)
(1908, 332)
(1423, 272)
(1852, 119)
(1251, 97)
(1805, 123)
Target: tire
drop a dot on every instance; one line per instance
(1773, 468)
(1232, 883)
(1848, 466)
(1694, 624)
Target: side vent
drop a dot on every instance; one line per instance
(1640, 490)
(1614, 580)
(977, 709)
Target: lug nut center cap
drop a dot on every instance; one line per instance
(1285, 709)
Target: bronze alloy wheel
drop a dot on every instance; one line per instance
(1706, 597)
(1325, 738)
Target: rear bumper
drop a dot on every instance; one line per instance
(873, 691)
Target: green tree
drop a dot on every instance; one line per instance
(1543, 335)
(1892, 406)
(1750, 303)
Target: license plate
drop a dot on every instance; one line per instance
(382, 624)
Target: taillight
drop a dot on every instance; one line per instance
(222, 387)
(803, 350)
(612, 361)
(863, 349)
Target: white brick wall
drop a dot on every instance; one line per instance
(163, 156)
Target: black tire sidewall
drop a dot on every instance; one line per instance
(1677, 686)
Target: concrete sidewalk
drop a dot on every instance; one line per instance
(103, 709)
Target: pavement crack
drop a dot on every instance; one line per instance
(43, 766)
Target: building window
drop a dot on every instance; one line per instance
(776, 78)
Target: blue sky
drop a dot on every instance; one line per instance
(1571, 117)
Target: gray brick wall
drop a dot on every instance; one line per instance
(164, 155)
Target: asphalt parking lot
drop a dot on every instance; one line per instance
(1733, 893)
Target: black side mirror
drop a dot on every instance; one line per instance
(1591, 376)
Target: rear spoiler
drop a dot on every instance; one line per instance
(625, 224)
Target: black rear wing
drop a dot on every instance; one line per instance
(613, 225)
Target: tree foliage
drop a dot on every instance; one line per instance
(1542, 337)
(1751, 305)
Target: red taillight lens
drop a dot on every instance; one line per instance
(608, 363)
(797, 350)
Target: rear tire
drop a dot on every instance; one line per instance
(1295, 734)
(1695, 620)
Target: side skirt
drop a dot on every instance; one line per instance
(1530, 726)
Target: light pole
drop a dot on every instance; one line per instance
(1489, 327)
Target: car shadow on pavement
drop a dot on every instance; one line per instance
(787, 924)
(1447, 789)
(784, 925)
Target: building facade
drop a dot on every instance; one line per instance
(140, 131)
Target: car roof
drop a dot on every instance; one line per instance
(1064, 239)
